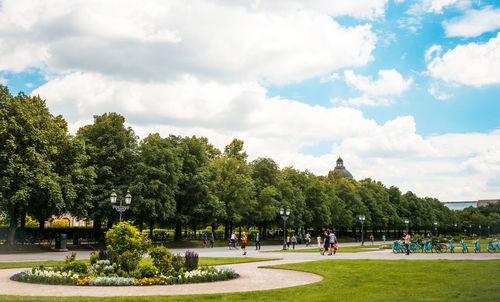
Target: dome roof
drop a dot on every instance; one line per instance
(340, 167)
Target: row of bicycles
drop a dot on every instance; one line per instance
(434, 246)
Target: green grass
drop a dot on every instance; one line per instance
(202, 261)
(342, 249)
(362, 280)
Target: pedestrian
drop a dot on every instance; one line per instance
(383, 238)
(326, 243)
(205, 239)
(294, 241)
(288, 242)
(331, 248)
(233, 239)
(407, 243)
(212, 239)
(371, 238)
(300, 238)
(257, 241)
(244, 243)
(308, 239)
(318, 239)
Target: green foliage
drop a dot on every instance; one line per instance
(94, 258)
(126, 245)
(147, 270)
(76, 267)
(162, 258)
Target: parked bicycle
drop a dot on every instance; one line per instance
(492, 246)
(477, 246)
(415, 247)
(439, 247)
(398, 247)
(464, 246)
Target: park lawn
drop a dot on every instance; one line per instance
(342, 249)
(361, 280)
(202, 261)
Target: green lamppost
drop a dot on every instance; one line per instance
(121, 208)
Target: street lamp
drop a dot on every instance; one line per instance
(488, 231)
(284, 214)
(455, 230)
(362, 219)
(407, 222)
(121, 208)
(435, 227)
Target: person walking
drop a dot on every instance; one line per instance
(244, 243)
(333, 238)
(383, 238)
(407, 243)
(308, 239)
(288, 242)
(326, 243)
(257, 241)
(233, 239)
(212, 239)
(294, 241)
(318, 239)
(371, 238)
(205, 239)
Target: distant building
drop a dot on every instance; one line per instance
(460, 205)
(340, 167)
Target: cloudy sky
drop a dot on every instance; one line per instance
(406, 92)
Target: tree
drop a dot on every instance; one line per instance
(195, 200)
(156, 180)
(35, 177)
(235, 187)
(111, 149)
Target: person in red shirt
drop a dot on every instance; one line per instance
(244, 243)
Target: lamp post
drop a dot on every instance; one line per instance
(407, 222)
(488, 231)
(435, 227)
(121, 208)
(284, 214)
(362, 219)
(455, 229)
(479, 230)
(470, 228)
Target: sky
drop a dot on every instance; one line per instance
(406, 92)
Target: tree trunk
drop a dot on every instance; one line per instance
(97, 229)
(151, 228)
(12, 229)
(178, 231)
(141, 225)
(240, 232)
(226, 230)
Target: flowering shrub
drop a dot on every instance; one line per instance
(150, 281)
(162, 258)
(148, 270)
(102, 268)
(191, 260)
(41, 275)
(126, 245)
(205, 274)
(111, 281)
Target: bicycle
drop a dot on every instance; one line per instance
(427, 246)
(232, 244)
(464, 247)
(477, 247)
(415, 246)
(493, 246)
(439, 247)
(398, 247)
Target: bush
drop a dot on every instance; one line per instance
(162, 258)
(177, 262)
(103, 268)
(76, 267)
(94, 258)
(148, 270)
(191, 260)
(126, 245)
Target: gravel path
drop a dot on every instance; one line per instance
(251, 276)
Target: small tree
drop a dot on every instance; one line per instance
(126, 245)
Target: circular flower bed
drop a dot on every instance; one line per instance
(120, 265)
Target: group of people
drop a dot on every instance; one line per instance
(294, 240)
(206, 238)
(328, 243)
(234, 239)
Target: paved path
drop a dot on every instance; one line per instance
(251, 276)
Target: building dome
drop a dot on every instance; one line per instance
(340, 167)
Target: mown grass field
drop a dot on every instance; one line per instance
(342, 249)
(362, 280)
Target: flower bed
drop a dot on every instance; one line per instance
(120, 265)
(52, 276)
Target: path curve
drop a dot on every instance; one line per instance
(251, 278)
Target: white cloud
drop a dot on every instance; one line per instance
(329, 78)
(3, 81)
(431, 6)
(438, 94)
(166, 40)
(470, 64)
(474, 23)
(375, 92)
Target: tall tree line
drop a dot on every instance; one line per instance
(183, 182)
